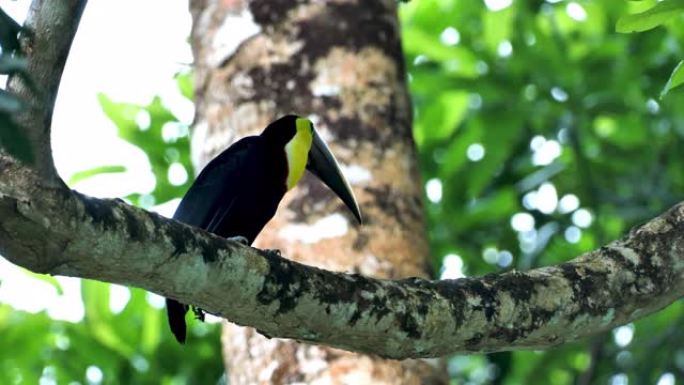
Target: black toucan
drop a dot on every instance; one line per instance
(238, 192)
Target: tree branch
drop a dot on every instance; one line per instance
(49, 30)
(58, 231)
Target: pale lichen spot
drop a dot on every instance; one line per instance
(267, 373)
(233, 31)
(474, 300)
(311, 360)
(356, 174)
(332, 226)
(192, 274)
(629, 254)
(199, 135)
(314, 118)
(352, 77)
(608, 317)
(373, 266)
(507, 308)
(325, 89)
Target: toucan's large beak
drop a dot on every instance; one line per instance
(323, 164)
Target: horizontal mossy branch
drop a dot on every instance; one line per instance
(57, 231)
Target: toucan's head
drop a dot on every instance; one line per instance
(305, 149)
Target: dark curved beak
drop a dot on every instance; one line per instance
(323, 164)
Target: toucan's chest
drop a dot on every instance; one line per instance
(268, 169)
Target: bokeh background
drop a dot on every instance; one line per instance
(541, 135)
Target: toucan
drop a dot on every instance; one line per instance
(238, 191)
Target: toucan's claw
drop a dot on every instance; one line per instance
(239, 239)
(199, 313)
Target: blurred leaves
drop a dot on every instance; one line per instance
(185, 85)
(9, 29)
(675, 80)
(533, 117)
(128, 347)
(85, 174)
(11, 64)
(660, 13)
(50, 280)
(165, 141)
(12, 139)
(133, 345)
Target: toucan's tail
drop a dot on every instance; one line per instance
(176, 312)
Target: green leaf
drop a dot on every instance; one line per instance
(651, 18)
(441, 117)
(52, 281)
(184, 81)
(150, 333)
(495, 207)
(99, 317)
(17, 65)
(85, 174)
(165, 141)
(9, 103)
(9, 29)
(498, 27)
(12, 139)
(676, 79)
(12, 64)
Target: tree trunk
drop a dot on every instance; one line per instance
(340, 63)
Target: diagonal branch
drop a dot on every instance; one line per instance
(49, 30)
(58, 231)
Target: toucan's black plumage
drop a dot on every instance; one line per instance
(238, 192)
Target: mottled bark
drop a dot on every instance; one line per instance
(341, 63)
(111, 241)
(50, 229)
(48, 32)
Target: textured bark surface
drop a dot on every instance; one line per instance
(341, 63)
(50, 28)
(111, 241)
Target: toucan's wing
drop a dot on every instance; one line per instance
(207, 203)
(211, 195)
(220, 215)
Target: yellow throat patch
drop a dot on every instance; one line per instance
(297, 150)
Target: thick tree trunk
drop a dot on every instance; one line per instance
(339, 62)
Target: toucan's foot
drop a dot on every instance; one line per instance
(274, 251)
(199, 313)
(239, 239)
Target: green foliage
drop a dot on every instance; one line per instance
(185, 86)
(129, 347)
(675, 80)
(659, 14)
(133, 346)
(155, 130)
(12, 139)
(50, 280)
(536, 103)
(9, 29)
(85, 174)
